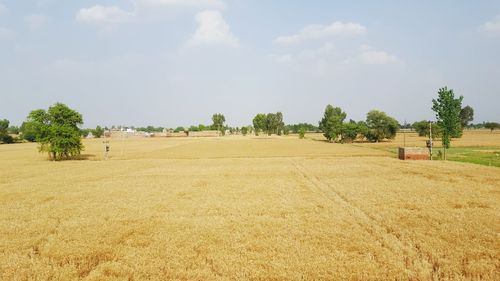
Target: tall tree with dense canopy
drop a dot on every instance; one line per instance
(448, 109)
(218, 120)
(380, 126)
(259, 123)
(56, 130)
(466, 116)
(332, 123)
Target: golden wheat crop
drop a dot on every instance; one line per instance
(245, 208)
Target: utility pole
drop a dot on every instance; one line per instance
(404, 134)
(430, 139)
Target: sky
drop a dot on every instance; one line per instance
(176, 62)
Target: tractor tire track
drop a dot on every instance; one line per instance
(413, 258)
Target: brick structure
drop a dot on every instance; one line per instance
(413, 153)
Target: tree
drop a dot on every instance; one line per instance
(350, 131)
(448, 109)
(4, 135)
(380, 126)
(56, 130)
(98, 132)
(492, 126)
(259, 123)
(466, 116)
(218, 120)
(272, 123)
(332, 122)
(244, 130)
(422, 129)
(179, 129)
(302, 132)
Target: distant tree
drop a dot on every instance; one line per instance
(280, 125)
(4, 135)
(28, 131)
(202, 127)
(98, 132)
(294, 128)
(492, 126)
(194, 129)
(259, 123)
(272, 122)
(380, 126)
(218, 120)
(179, 129)
(466, 116)
(57, 131)
(13, 130)
(244, 130)
(332, 122)
(286, 130)
(302, 132)
(422, 129)
(448, 109)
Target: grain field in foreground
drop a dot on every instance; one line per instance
(245, 209)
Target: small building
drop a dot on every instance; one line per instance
(413, 153)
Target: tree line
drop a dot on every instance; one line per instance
(57, 128)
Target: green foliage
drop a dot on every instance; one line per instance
(466, 116)
(259, 123)
(286, 130)
(218, 120)
(492, 126)
(148, 129)
(294, 128)
(448, 110)
(274, 123)
(350, 131)
(57, 131)
(179, 129)
(380, 126)
(28, 131)
(422, 129)
(194, 129)
(332, 122)
(244, 130)
(6, 139)
(13, 130)
(4, 134)
(98, 132)
(302, 132)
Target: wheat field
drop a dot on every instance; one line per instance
(245, 208)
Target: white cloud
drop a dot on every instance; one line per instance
(6, 33)
(184, 3)
(35, 22)
(492, 26)
(104, 15)
(212, 30)
(318, 31)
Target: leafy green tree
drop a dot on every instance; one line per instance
(259, 123)
(28, 131)
(422, 129)
(380, 126)
(179, 129)
(492, 126)
(332, 122)
(286, 130)
(302, 132)
(244, 130)
(448, 109)
(4, 135)
(57, 131)
(218, 120)
(466, 116)
(98, 132)
(350, 131)
(194, 129)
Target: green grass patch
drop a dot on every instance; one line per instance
(488, 156)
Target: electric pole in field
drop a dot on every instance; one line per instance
(430, 140)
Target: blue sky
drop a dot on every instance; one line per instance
(175, 62)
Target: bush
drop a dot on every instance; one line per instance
(302, 132)
(7, 139)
